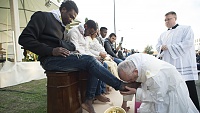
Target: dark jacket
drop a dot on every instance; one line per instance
(109, 47)
(42, 34)
(120, 55)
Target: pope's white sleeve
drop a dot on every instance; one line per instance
(138, 95)
(153, 92)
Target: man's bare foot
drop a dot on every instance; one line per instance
(108, 89)
(131, 85)
(106, 93)
(102, 98)
(124, 106)
(87, 105)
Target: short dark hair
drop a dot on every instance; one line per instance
(103, 28)
(91, 24)
(69, 5)
(171, 12)
(112, 34)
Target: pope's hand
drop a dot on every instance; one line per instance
(129, 92)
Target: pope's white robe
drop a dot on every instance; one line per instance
(181, 51)
(163, 90)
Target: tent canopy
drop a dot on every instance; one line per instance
(25, 10)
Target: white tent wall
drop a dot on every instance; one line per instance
(15, 14)
(7, 44)
(16, 73)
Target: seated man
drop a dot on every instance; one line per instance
(98, 51)
(77, 36)
(44, 36)
(163, 90)
(110, 49)
(102, 35)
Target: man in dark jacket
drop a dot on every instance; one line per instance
(110, 49)
(44, 36)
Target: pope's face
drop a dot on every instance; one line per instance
(132, 77)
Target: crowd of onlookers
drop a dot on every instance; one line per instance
(198, 59)
(123, 53)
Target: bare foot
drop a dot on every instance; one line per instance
(124, 106)
(102, 98)
(87, 105)
(108, 89)
(131, 85)
(106, 93)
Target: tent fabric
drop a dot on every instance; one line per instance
(26, 9)
(16, 73)
(13, 73)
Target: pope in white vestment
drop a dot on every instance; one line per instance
(163, 90)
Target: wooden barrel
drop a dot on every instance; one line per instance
(83, 77)
(62, 92)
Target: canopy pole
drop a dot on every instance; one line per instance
(14, 12)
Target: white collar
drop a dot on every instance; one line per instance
(57, 15)
(81, 29)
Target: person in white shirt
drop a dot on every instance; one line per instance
(163, 90)
(98, 50)
(176, 46)
(77, 36)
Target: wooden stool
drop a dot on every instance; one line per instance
(83, 77)
(63, 92)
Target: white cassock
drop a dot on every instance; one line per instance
(163, 90)
(181, 51)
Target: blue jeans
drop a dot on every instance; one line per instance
(85, 63)
(101, 87)
(117, 60)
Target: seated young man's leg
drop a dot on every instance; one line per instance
(99, 93)
(86, 63)
(117, 60)
(101, 89)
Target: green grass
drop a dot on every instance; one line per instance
(28, 97)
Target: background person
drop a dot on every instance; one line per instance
(110, 49)
(103, 34)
